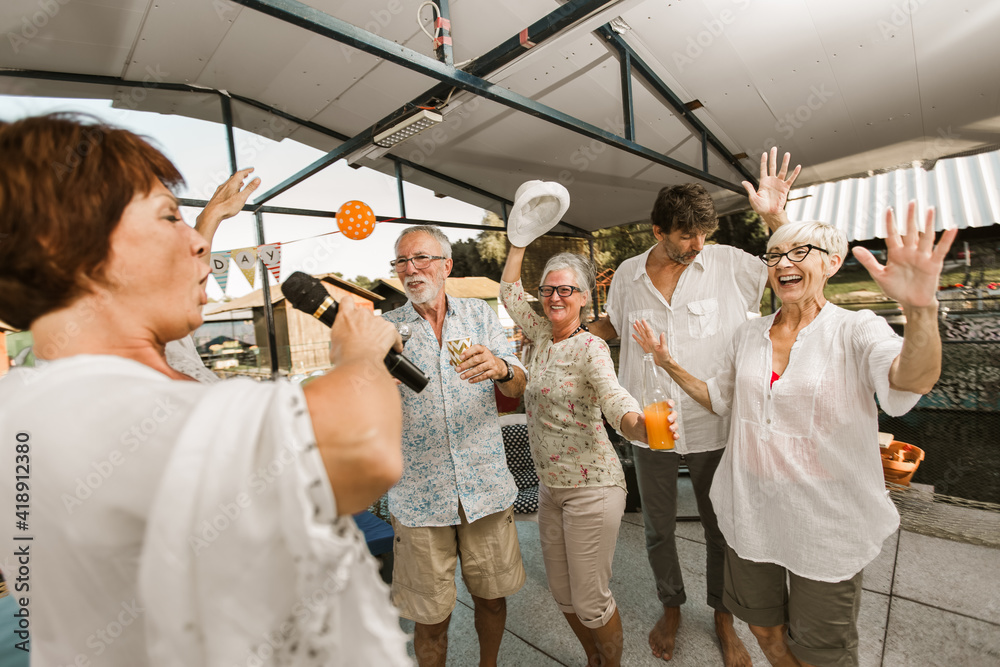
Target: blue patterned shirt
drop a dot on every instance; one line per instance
(452, 447)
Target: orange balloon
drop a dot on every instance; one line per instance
(356, 220)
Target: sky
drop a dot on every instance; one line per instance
(199, 150)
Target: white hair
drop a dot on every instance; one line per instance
(581, 267)
(431, 230)
(814, 232)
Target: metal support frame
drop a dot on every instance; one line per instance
(99, 80)
(399, 188)
(680, 108)
(313, 20)
(319, 213)
(443, 50)
(628, 109)
(268, 308)
(227, 118)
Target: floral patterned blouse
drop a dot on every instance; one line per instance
(571, 383)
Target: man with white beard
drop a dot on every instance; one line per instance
(455, 499)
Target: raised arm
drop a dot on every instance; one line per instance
(695, 388)
(603, 328)
(910, 277)
(769, 200)
(512, 267)
(355, 410)
(228, 200)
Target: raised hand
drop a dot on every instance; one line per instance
(231, 196)
(913, 264)
(772, 194)
(643, 334)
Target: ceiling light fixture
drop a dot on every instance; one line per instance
(404, 129)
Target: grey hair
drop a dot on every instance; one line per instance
(814, 232)
(581, 267)
(433, 231)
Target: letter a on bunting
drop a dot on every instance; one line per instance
(246, 260)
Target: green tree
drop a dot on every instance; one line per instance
(482, 255)
(614, 245)
(745, 231)
(363, 282)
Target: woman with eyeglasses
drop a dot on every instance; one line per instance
(581, 498)
(799, 492)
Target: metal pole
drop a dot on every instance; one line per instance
(442, 43)
(399, 187)
(272, 343)
(227, 118)
(628, 111)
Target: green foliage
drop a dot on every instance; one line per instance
(482, 255)
(744, 231)
(364, 282)
(614, 245)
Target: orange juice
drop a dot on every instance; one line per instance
(657, 426)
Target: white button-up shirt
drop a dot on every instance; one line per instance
(711, 300)
(801, 481)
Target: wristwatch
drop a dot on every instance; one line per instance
(510, 372)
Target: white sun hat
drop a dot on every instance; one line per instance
(538, 207)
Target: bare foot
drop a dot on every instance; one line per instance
(664, 633)
(734, 653)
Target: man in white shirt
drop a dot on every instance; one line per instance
(698, 295)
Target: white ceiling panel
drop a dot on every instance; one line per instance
(180, 37)
(83, 37)
(847, 87)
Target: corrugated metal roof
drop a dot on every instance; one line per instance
(964, 190)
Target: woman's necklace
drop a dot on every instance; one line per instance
(582, 327)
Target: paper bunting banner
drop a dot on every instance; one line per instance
(271, 254)
(246, 261)
(220, 269)
(356, 220)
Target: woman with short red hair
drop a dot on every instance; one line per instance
(172, 522)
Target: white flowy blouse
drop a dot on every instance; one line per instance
(801, 482)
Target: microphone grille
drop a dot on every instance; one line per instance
(304, 292)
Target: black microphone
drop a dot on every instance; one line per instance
(308, 295)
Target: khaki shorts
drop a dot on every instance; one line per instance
(822, 617)
(424, 561)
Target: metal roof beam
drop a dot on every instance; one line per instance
(315, 21)
(653, 79)
(97, 79)
(544, 28)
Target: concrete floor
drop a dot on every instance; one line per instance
(927, 601)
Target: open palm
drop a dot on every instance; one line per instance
(643, 334)
(913, 264)
(772, 191)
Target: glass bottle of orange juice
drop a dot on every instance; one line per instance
(655, 406)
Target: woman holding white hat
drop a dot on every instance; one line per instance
(572, 384)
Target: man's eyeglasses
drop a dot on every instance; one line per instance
(419, 262)
(796, 254)
(562, 290)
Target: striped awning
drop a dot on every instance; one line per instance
(965, 191)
